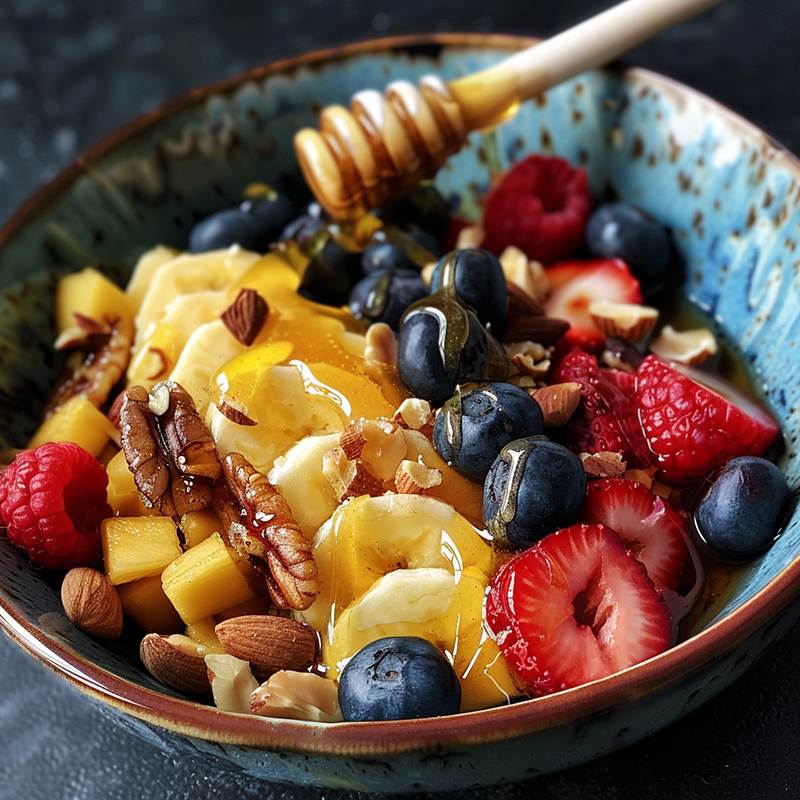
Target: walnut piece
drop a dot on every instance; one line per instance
(168, 448)
(266, 532)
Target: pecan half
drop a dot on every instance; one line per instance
(245, 317)
(168, 448)
(268, 535)
(97, 362)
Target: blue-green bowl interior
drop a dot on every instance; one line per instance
(728, 194)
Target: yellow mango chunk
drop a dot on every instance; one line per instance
(202, 631)
(205, 581)
(144, 602)
(197, 526)
(78, 421)
(138, 547)
(91, 294)
(123, 496)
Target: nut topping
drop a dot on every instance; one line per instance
(693, 347)
(413, 477)
(628, 321)
(92, 603)
(265, 531)
(177, 661)
(558, 402)
(297, 695)
(245, 317)
(603, 465)
(171, 454)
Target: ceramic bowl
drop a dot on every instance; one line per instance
(731, 197)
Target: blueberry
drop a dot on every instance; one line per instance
(254, 225)
(742, 512)
(618, 230)
(385, 256)
(383, 296)
(472, 429)
(399, 677)
(534, 487)
(303, 229)
(424, 207)
(331, 274)
(477, 278)
(442, 344)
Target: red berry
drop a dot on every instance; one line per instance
(541, 206)
(605, 420)
(575, 608)
(52, 500)
(692, 429)
(576, 284)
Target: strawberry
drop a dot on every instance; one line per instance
(692, 429)
(541, 206)
(575, 608)
(576, 284)
(605, 420)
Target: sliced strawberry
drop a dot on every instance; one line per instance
(576, 284)
(690, 428)
(575, 608)
(605, 420)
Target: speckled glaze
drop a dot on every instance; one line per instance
(732, 199)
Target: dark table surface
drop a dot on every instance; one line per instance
(73, 70)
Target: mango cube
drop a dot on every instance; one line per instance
(197, 526)
(205, 581)
(78, 421)
(145, 604)
(91, 294)
(123, 496)
(138, 547)
(203, 632)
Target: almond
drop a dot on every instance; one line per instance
(412, 477)
(692, 347)
(177, 661)
(269, 643)
(628, 321)
(92, 603)
(245, 317)
(558, 402)
(232, 682)
(297, 695)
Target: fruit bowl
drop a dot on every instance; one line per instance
(728, 194)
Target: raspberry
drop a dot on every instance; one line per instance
(52, 500)
(540, 206)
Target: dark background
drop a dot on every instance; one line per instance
(71, 71)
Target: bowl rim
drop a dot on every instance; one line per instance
(402, 736)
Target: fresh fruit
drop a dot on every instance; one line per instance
(254, 225)
(331, 274)
(442, 344)
(540, 206)
(742, 512)
(52, 501)
(574, 285)
(575, 608)
(89, 294)
(533, 488)
(383, 295)
(138, 547)
(650, 529)
(692, 429)
(605, 420)
(472, 429)
(424, 207)
(385, 256)
(77, 421)
(477, 279)
(619, 230)
(146, 605)
(398, 678)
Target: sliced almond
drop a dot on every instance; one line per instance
(412, 477)
(177, 661)
(530, 276)
(297, 695)
(92, 603)
(694, 346)
(558, 402)
(413, 414)
(349, 478)
(232, 682)
(628, 321)
(268, 643)
(379, 444)
(245, 317)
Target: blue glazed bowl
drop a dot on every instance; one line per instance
(731, 197)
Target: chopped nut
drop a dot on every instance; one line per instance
(686, 347)
(470, 237)
(349, 478)
(528, 358)
(297, 695)
(232, 682)
(171, 454)
(92, 603)
(526, 320)
(529, 276)
(381, 345)
(235, 415)
(269, 643)
(603, 465)
(413, 414)
(558, 402)
(177, 661)
(268, 535)
(379, 444)
(246, 316)
(628, 321)
(413, 477)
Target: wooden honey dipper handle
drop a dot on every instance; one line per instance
(386, 143)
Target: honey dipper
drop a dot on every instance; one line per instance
(386, 143)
